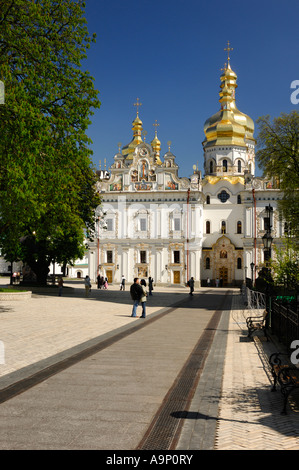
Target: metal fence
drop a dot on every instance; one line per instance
(284, 320)
(284, 323)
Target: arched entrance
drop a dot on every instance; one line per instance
(220, 261)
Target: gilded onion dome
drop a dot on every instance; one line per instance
(229, 126)
(156, 145)
(128, 150)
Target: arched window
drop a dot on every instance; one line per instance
(239, 263)
(239, 166)
(224, 165)
(208, 263)
(239, 226)
(239, 199)
(223, 226)
(208, 199)
(211, 166)
(208, 226)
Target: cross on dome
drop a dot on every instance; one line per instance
(228, 49)
(137, 104)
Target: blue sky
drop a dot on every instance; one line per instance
(169, 54)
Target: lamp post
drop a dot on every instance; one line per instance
(267, 242)
(252, 268)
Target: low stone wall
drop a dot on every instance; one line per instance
(15, 296)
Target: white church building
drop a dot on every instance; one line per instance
(155, 223)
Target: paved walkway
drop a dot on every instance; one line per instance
(231, 408)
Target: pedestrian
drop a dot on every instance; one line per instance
(106, 283)
(136, 292)
(123, 283)
(143, 298)
(60, 286)
(191, 285)
(87, 285)
(99, 281)
(217, 282)
(208, 282)
(150, 285)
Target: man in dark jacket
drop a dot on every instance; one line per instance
(136, 294)
(191, 285)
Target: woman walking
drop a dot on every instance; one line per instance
(143, 298)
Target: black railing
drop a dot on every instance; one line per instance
(284, 313)
(284, 323)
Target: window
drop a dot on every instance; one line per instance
(224, 165)
(239, 226)
(142, 256)
(239, 263)
(208, 226)
(208, 263)
(239, 199)
(208, 199)
(176, 257)
(211, 166)
(109, 256)
(177, 224)
(143, 225)
(109, 225)
(239, 166)
(223, 196)
(223, 227)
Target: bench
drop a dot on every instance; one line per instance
(258, 323)
(286, 374)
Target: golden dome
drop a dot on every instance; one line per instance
(128, 150)
(229, 126)
(156, 145)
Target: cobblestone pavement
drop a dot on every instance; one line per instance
(249, 413)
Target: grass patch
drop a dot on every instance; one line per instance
(8, 289)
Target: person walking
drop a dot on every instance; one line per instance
(60, 286)
(191, 285)
(143, 298)
(123, 283)
(150, 285)
(87, 285)
(136, 292)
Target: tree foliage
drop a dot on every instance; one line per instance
(47, 183)
(278, 156)
(286, 265)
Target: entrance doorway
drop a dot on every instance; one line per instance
(176, 277)
(109, 277)
(223, 274)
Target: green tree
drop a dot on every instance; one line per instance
(278, 156)
(47, 181)
(286, 265)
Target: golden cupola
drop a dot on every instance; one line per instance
(156, 145)
(228, 126)
(129, 149)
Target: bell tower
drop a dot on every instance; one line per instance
(229, 145)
